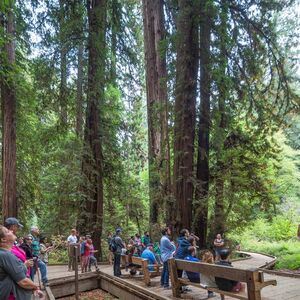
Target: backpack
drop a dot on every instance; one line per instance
(82, 248)
(112, 245)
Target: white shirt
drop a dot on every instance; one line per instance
(72, 239)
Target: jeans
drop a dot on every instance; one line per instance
(92, 262)
(164, 280)
(117, 262)
(43, 269)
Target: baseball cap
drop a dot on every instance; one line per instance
(12, 221)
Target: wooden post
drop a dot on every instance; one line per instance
(174, 277)
(75, 253)
(146, 272)
(253, 288)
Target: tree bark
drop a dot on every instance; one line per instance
(202, 175)
(185, 102)
(79, 96)
(63, 67)
(8, 95)
(157, 109)
(92, 161)
(220, 216)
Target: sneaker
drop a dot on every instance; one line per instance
(167, 287)
(211, 295)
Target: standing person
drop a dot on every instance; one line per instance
(206, 280)
(13, 225)
(26, 246)
(146, 239)
(138, 244)
(13, 280)
(110, 254)
(36, 251)
(218, 245)
(183, 246)
(72, 239)
(167, 250)
(148, 254)
(118, 243)
(92, 258)
(45, 249)
(86, 255)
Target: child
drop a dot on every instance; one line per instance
(206, 280)
(223, 283)
(85, 256)
(92, 258)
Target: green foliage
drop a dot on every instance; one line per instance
(276, 237)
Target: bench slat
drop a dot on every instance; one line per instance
(213, 270)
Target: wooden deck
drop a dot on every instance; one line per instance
(287, 288)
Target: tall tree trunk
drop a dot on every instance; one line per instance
(185, 102)
(202, 187)
(92, 162)
(79, 96)
(158, 140)
(63, 67)
(8, 95)
(220, 216)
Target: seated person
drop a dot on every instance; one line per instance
(208, 281)
(223, 283)
(192, 276)
(148, 254)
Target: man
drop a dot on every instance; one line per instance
(71, 240)
(119, 245)
(148, 253)
(36, 251)
(167, 250)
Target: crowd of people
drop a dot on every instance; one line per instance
(19, 262)
(184, 248)
(86, 251)
(22, 258)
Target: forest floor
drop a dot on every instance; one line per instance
(92, 295)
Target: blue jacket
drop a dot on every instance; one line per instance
(193, 276)
(182, 250)
(166, 248)
(148, 254)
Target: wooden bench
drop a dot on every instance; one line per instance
(143, 264)
(254, 279)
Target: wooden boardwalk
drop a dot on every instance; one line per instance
(288, 288)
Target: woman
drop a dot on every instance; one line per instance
(13, 272)
(218, 245)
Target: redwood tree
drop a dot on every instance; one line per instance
(8, 97)
(92, 161)
(156, 77)
(185, 101)
(202, 175)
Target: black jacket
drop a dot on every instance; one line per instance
(27, 250)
